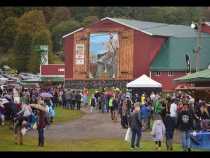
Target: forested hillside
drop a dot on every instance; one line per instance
(23, 28)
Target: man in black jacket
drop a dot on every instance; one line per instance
(78, 100)
(185, 124)
(135, 125)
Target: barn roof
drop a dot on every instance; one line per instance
(152, 28)
(157, 29)
(172, 55)
(207, 23)
(64, 36)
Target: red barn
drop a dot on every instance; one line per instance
(52, 72)
(206, 27)
(155, 49)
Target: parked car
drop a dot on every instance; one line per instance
(3, 80)
(26, 76)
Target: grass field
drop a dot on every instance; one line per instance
(63, 115)
(30, 144)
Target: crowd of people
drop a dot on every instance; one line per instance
(176, 111)
(27, 109)
(158, 114)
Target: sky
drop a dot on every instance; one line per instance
(96, 42)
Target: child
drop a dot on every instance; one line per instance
(158, 131)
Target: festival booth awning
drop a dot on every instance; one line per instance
(200, 76)
(200, 84)
(144, 82)
(52, 79)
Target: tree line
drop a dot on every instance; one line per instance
(23, 28)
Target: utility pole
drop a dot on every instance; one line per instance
(197, 27)
(198, 47)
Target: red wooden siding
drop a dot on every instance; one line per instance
(68, 56)
(145, 49)
(52, 69)
(205, 28)
(100, 26)
(167, 81)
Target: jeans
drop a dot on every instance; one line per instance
(41, 136)
(170, 132)
(135, 139)
(185, 140)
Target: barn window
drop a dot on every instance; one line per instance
(157, 73)
(170, 73)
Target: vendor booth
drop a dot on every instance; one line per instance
(144, 84)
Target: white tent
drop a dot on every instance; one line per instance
(144, 82)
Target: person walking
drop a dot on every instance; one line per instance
(114, 108)
(145, 113)
(135, 125)
(185, 124)
(158, 131)
(41, 124)
(18, 126)
(173, 112)
(73, 100)
(158, 107)
(78, 100)
(169, 131)
(92, 103)
(111, 107)
(124, 115)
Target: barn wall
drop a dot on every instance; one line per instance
(167, 81)
(205, 28)
(80, 71)
(146, 48)
(68, 56)
(125, 52)
(52, 69)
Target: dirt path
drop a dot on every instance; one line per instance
(90, 126)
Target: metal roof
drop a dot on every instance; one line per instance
(152, 28)
(207, 23)
(157, 29)
(172, 55)
(64, 36)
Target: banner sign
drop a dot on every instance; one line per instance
(79, 61)
(80, 54)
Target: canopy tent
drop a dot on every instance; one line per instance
(199, 76)
(144, 82)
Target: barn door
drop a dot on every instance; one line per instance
(126, 55)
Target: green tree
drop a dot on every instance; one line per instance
(61, 29)
(89, 20)
(40, 38)
(23, 48)
(32, 22)
(60, 14)
(8, 33)
(30, 33)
